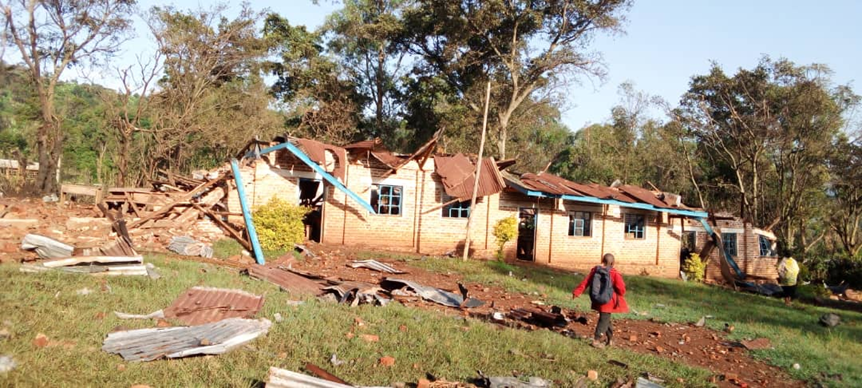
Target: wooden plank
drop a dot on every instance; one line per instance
(234, 233)
(92, 259)
(184, 199)
(74, 189)
(132, 205)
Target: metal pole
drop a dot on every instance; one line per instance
(478, 172)
(246, 213)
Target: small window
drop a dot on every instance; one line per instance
(766, 247)
(579, 224)
(729, 240)
(386, 199)
(635, 226)
(456, 209)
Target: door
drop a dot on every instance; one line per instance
(527, 234)
(311, 196)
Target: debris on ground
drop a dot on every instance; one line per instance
(355, 293)
(645, 383)
(830, 319)
(94, 265)
(287, 280)
(188, 246)
(514, 382)
(304, 250)
(323, 374)
(199, 305)
(374, 265)
(175, 342)
(7, 363)
(46, 247)
(756, 344)
(283, 378)
(446, 298)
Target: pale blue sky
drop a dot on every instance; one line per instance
(666, 42)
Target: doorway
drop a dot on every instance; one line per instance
(311, 196)
(527, 234)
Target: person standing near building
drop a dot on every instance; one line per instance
(788, 272)
(607, 296)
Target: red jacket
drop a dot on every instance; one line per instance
(618, 301)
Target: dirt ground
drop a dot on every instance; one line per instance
(685, 343)
(81, 226)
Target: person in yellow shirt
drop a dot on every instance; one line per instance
(788, 271)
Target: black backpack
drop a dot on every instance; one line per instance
(602, 289)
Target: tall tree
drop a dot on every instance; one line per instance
(768, 131)
(51, 36)
(320, 100)
(845, 191)
(363, 36)
(212, 98)
(524, 47)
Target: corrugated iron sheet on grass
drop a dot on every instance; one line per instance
(176, 342)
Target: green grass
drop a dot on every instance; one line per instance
(794, 332)
(442, 345)
(227, 248)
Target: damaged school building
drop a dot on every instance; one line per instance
(366, 196)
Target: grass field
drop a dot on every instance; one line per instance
(444, 346)
(794, 332)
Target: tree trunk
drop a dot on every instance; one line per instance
(501, 144)
(48, 143)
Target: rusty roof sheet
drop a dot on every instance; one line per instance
(554, 185)
(288, 281)
(199, 305)
(643, 195)
(175, 342)
(316, 151)
(457, 173)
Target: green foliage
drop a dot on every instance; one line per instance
(695, 268)
(279, 224)
(504, 231)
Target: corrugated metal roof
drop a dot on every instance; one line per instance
(457, 173)
(433, 294)
(316, 151)
(199, 305)
(11, 163)
(374, 265)
(282, 378)
(554, 185)
(176, 342)
(286, 280)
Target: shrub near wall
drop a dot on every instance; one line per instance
(504, 231)
(279, 224)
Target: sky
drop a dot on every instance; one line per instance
(666, 42)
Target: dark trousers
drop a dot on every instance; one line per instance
(604, 327)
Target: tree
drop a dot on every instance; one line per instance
(767, 132)
(363, 35)
(50, 37)
(211, 99)
(526, 48)
(845, 191)
(320, 103)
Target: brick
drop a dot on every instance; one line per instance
(387, 361)
(18, 223)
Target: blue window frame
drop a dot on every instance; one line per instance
(635, 226)
(459, 209)
(386, 199)
(766, 247)
(729, 240)
(579, 224)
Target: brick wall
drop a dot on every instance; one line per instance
(421, 226)
(748, 256)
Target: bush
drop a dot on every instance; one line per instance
(505, 230)
(279, 224)
(694, 268)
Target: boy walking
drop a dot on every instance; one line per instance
(607, 292)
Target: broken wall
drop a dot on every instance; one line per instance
(748, 250)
